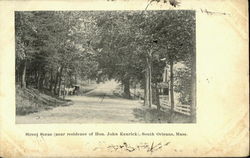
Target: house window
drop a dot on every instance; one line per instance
(163, 91)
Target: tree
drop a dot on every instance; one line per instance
(24, 33)
(117, 58)
(47, 45)
(178, 40)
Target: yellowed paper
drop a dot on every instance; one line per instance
(222, 127)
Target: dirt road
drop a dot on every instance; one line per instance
(97, 106)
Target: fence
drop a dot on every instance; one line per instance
(183, 109)
(165, 103)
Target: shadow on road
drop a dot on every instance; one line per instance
(101, 94)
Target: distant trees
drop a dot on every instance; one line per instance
(117, 58)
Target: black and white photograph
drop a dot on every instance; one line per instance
(124, 78)
(105, 66)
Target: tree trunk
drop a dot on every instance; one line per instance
(193, 91)
(148, 87)
(126, 89)
(51, 81)
(76, 79)
(157, 97)
(146, 90)
(60, 80)
(56, 82)
(23, 80)
(38, 80)
(16, 75)
(44, 80)
(150, 81)
(171, 88)
(64, 91)
(42, 85)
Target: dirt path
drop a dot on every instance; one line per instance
(97, 106)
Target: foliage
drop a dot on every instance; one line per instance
(60, 47)
(183, 85)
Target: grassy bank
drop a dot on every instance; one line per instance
(31, 100)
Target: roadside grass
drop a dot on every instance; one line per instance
(29, 100)
(152, 115)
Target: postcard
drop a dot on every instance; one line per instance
(124, 78)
